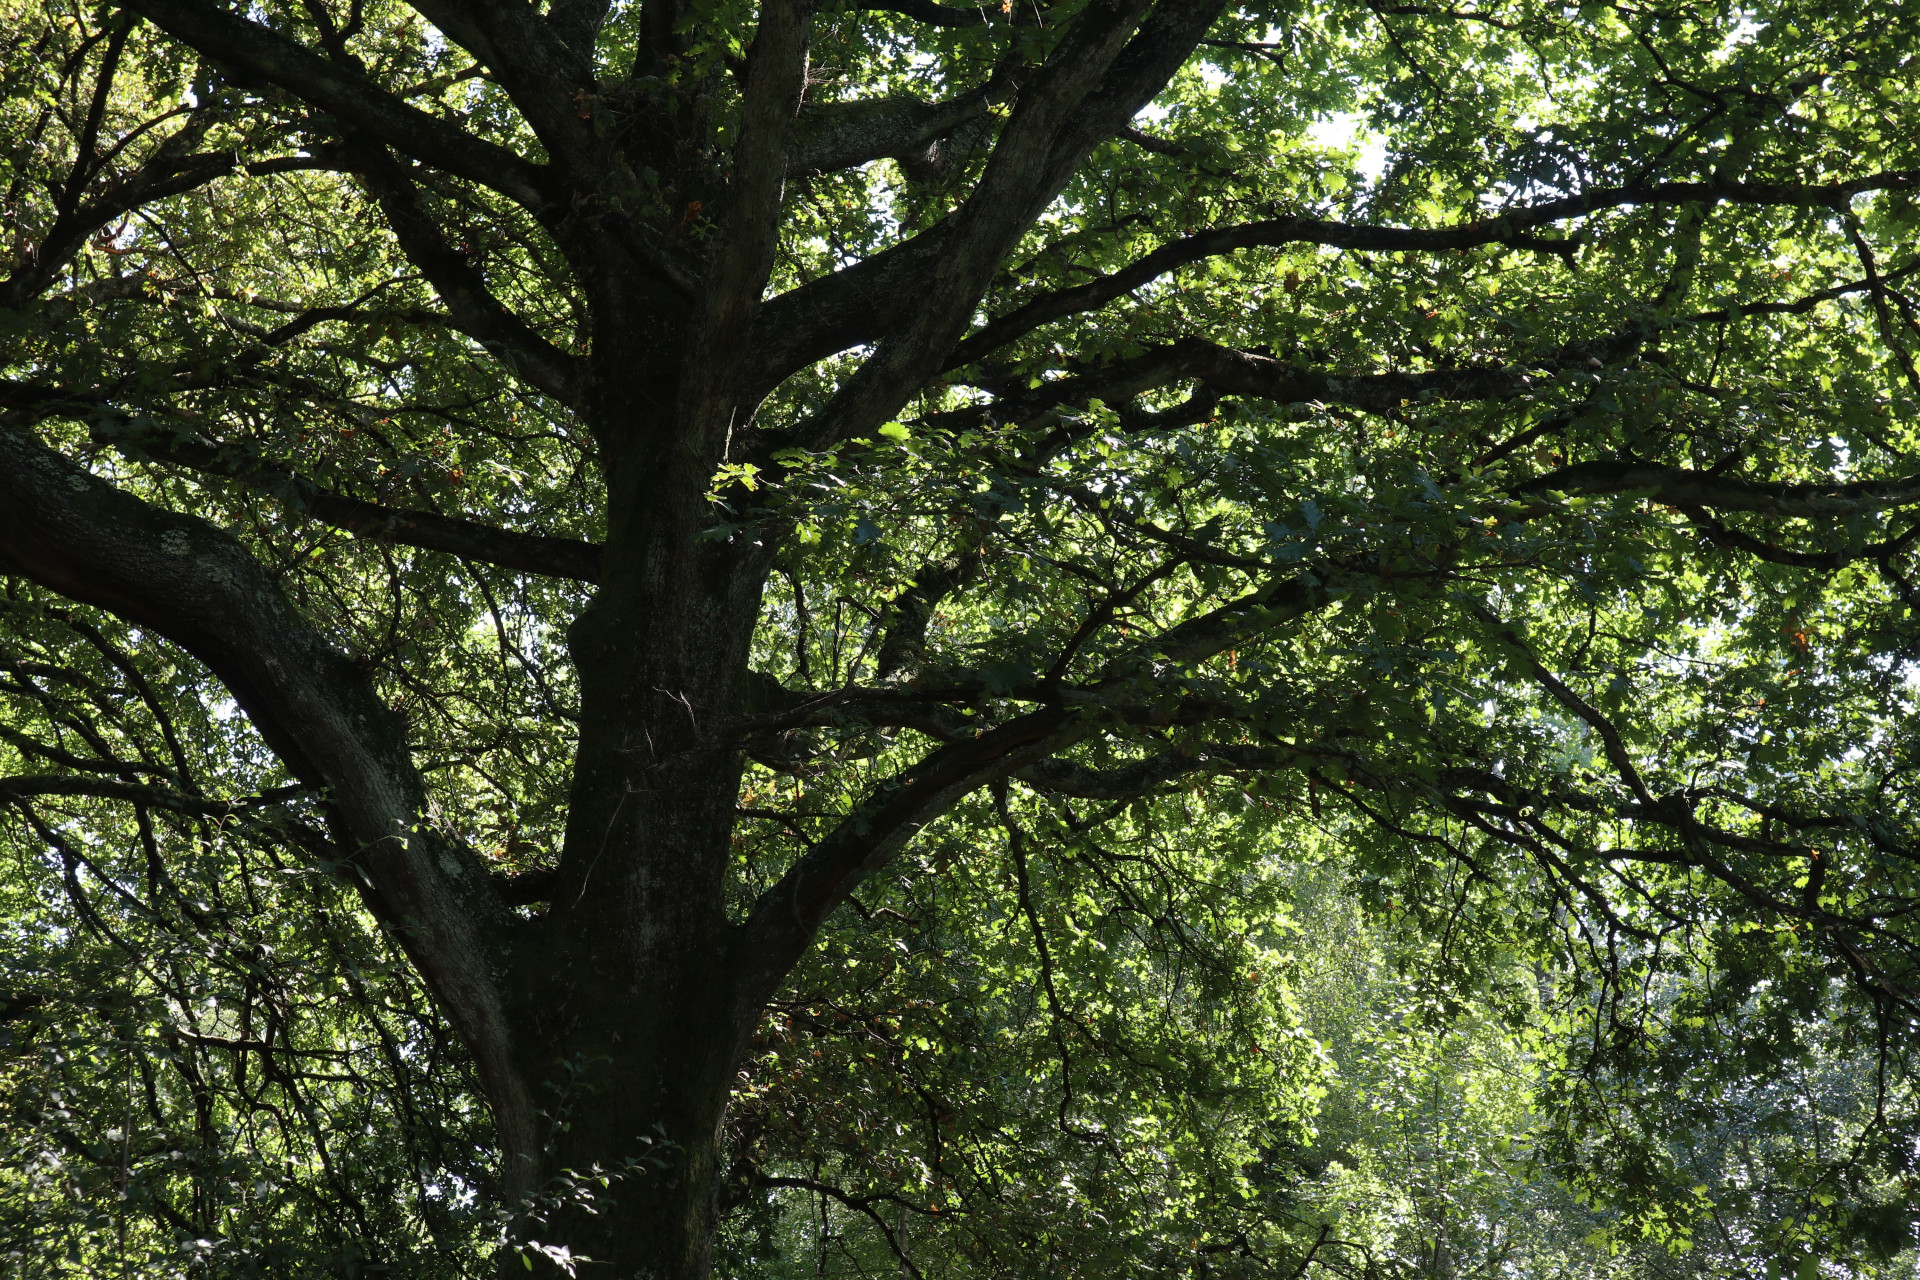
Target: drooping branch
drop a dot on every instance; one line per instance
(1616, 749)
(1459, 789)
(1522, 819)
(862, 1204)
(197, 586)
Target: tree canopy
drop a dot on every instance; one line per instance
(843, 636)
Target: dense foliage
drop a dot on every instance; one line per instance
(1074, 640)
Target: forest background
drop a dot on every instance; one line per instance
(1088, 639)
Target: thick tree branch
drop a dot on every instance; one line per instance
(533, 59)
(198, 587)
(468, 539)
(1129, 684)
(167, 174)
(471, 306)
(527, 888)
(1095, 80)
(1509, 228)
(24, 786)
(1222, 371)
(1245, 373)
(333, 87)
(577, 23)
(774, 709)
(904, 647)
(1740, 540)
(1274, 603)
(1680, 487)
(840, 135)
(742, 253)
(1147, 776)
(942, 15)
(428, 530)
(829, 314)
(86, 152)
(785, 918)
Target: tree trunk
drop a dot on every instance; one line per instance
(631, 1025)
(637, 1098)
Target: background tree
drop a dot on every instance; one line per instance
(802, 456)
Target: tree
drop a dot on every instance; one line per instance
(780, 441)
